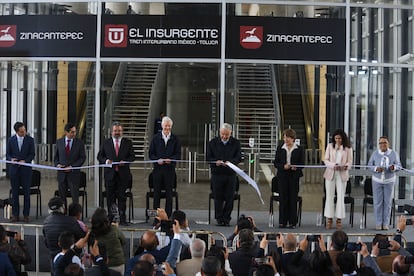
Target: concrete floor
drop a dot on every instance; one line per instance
(193, 199)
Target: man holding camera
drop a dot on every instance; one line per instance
(16, 249)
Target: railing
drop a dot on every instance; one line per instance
(133, 234)
(114, 95)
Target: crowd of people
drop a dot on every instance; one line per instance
(97, 248)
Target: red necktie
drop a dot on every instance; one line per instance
(116, 147)
(67, 148)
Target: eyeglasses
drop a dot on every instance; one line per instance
(383, 143)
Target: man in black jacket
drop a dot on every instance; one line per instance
(117, 149)
(56, 223)
(223, 178)
(165, 148)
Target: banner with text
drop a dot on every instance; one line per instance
(285, 38)
(48, 36)
(161, 36)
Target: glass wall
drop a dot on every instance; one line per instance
(369, 94)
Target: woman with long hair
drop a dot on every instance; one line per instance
(110, 235)
(338, 161)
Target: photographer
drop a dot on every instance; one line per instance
(242, 223)
(164, 224)
(16, 249)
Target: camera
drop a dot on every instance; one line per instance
(272, 236)
(160, 267)
(114, 214)
(152, 213)
(11, 233)
(260, 261)
(409, 259)
(313, 238)
(353, 246)
(383, 244)
(408, 221)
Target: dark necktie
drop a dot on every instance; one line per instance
(67, 148)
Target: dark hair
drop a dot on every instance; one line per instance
(18, 125)
(180, 216)
(246, 238)
(264, 270)
(345, 139)
(2, 233)
(100, 222)
(68, 126)
(143, 268)
(244, 223)
(210, 266)
(73, 269)
(74, 209)
(66, 240)
(116, 123)
(320, 263)
(347, 262)
(218, 252)
(339, 240)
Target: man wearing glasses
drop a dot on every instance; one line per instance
(70, 152)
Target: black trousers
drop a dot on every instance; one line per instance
(73, 187)
(223, 187)
(288, 191)
(163, 181)
(115, 193)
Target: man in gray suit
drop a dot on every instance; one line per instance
(70, 152)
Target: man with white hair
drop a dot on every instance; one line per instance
(220, 150)
(165, 148)
(190, 267)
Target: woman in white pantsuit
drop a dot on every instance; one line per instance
(338, 161)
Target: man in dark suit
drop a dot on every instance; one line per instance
(223, 179)
(164, 148)
(70, 152)
(117, 149)
(20, 148)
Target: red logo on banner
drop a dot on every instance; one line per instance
(251, 37)
(116, 36)
(7, 35)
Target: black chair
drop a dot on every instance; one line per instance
(236, 196)
(34, 190)
(129, 195)
(348, 200)
(368, 199)
(150, 193)
(276, 197)
(82, 193)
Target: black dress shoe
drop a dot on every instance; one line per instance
(220, 223)
(292, 226)
(124, 223)
(282, 225)
(227, 223)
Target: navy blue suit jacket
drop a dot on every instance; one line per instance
(26, 153)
